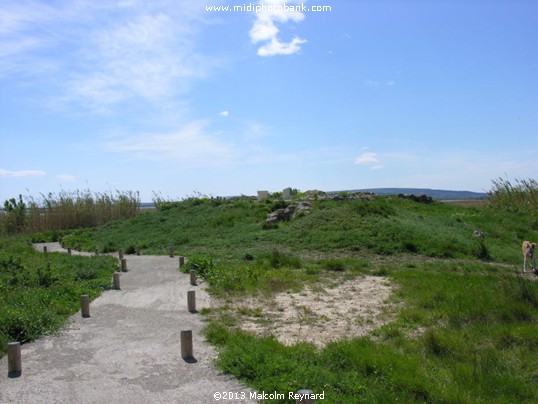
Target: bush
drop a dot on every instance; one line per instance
(15, 218)
(203, 265)
(481, 251)
(334, 265)
(278, 260)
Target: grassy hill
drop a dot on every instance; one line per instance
(227, 230)
(464, 322)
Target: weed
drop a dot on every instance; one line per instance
(334, 265)
(203, 265)
(278, 259)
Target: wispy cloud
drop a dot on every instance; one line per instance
(21, 173)
(224, 113)
(376, 83)
(20, 45)
(146, 56)
(192, 146)
(99, 54)
(265, 30)
(369, 159)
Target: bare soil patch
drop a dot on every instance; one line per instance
(319, 315)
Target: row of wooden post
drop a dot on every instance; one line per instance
(14, 348)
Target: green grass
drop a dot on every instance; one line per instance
(465, 325)
(464, 335)
(386, 226)
(39, 292)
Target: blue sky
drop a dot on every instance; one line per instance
(167, 97)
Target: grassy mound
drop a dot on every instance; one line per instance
(466, 318)
(385, 225)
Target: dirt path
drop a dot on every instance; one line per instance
(128, 351)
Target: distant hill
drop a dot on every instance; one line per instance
(438, 194)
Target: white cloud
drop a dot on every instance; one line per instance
(192, 146)
(98, 54)
(146, 56)
(224, 113)
(21, 173)
(265, 30)
(369, 159)
(18, 42)
(275, 47)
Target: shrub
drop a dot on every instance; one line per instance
(15, 218)
(481, 251)
(334, 265)
(203, 265)
(278, 260)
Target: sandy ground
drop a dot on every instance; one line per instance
(128, 351)
(336, 312)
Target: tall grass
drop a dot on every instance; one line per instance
(519, 197)
(68, 210)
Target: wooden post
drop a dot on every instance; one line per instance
(181, 261)
(96, 251)
(137, 249)
(186, 344)
(304, 400)
(85, 306)
(69, 251)
(14, 360)
(124, 265)
(191, 301)
(193, 277)
(120, 254)
(79, 249)
(116, 278)
(171, 252)
(45, 249)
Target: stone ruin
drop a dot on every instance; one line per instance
(302, 204)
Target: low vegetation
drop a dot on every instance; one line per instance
(464, 321)
(385, 226)
(38, 292)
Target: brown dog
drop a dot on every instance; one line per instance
(528, 252)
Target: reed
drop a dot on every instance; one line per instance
(522, 196)
(72, 209)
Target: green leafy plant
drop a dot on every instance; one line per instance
(203, 265)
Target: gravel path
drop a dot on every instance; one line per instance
(128, 351)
